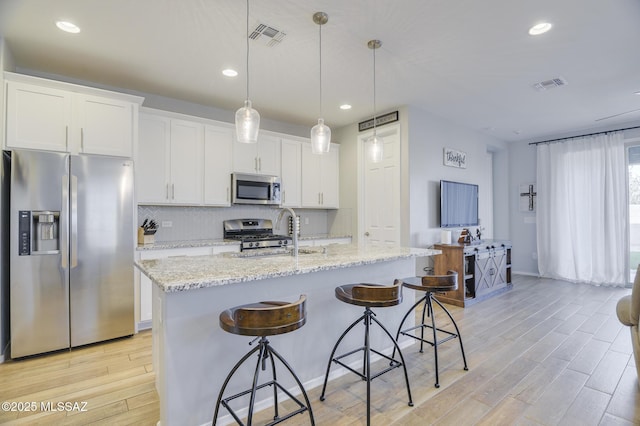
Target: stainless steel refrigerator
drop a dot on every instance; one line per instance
(71, 250)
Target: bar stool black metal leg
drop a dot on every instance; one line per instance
(435, 337)
(422, 327)
(393, 355)
(269, 354)
(288, 367)
(404, 365)
(256, 374)
(464, 359)
(226, 382)
(333, 352)
(367, 357)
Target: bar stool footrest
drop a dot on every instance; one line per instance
(393, 363)
(406, 332)
(302, 408)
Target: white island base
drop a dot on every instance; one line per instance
(192, 355)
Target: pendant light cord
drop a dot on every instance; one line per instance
(247, 37)
(374, 91)
(320, 48)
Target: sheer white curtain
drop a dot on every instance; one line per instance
(582, 210)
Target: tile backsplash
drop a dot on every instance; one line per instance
(202, 223)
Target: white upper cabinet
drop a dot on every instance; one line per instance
(262, 157)
(218, 146)
(55, 116)
(169, 161)
(291, 173)
(320, 178)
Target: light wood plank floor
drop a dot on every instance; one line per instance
(545, 353)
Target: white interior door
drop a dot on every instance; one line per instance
(380, 214)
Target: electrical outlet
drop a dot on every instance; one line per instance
(167, 224)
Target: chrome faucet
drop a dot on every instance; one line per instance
(295, 219)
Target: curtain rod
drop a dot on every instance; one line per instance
(581, 136)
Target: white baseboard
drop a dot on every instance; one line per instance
(531, 274)
(145, 325)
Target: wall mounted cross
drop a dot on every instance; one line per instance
(529, 194)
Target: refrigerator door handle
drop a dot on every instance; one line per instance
(64, 223)
(74, 221)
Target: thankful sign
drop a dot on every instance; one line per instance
(454, 158)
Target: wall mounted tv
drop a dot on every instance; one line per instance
(458, 204)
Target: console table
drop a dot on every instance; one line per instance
(484, 270)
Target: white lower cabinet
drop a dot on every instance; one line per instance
(145, 282)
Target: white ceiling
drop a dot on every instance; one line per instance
(469, 61)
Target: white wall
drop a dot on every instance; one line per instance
(428, 135)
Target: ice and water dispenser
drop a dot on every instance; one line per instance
(39, 232)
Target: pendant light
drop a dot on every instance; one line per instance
(375, 142)
(320, 133)
(247, 118)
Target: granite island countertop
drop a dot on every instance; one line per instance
(189, 273)
(179, 244)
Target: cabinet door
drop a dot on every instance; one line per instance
(269, 155)
(218, 142)
(186, 162)
(152, 160)
(291, 173)
(245, 157)
(311, 177)
(38, 117)
(106, 126)
(330, 191)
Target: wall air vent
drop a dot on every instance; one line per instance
(550, 84)
(267, 35)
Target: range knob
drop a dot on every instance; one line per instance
(284, 242)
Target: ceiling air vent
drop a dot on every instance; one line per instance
(267, 35)
(550, 84)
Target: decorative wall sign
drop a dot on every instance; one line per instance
(380, 121)
(454, 158)
(528, 197)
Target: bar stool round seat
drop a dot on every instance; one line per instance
(264, 319)
(369, 296)
(430, 285)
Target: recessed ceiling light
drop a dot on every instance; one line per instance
(345, 106)
(540, 28)
(68, 27)
(229, 72)
(637, 93)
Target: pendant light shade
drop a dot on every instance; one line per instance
(247, 118)
(320, 133)
(247, 123)
(375, 142)
(376, 145)
(320, 138)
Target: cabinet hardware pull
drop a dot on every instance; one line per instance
(255, 164)
(259, 164)
(167, 192)
(227, 193)
(173, 191)
(66, 138)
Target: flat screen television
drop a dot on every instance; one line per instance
(458, 204)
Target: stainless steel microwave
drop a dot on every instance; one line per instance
(255, 189)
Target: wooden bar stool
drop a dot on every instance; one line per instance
(432, 284)
(264, 319)
(369, 296)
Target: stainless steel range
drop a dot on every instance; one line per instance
(254, 234)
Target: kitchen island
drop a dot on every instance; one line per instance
(192, 355)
